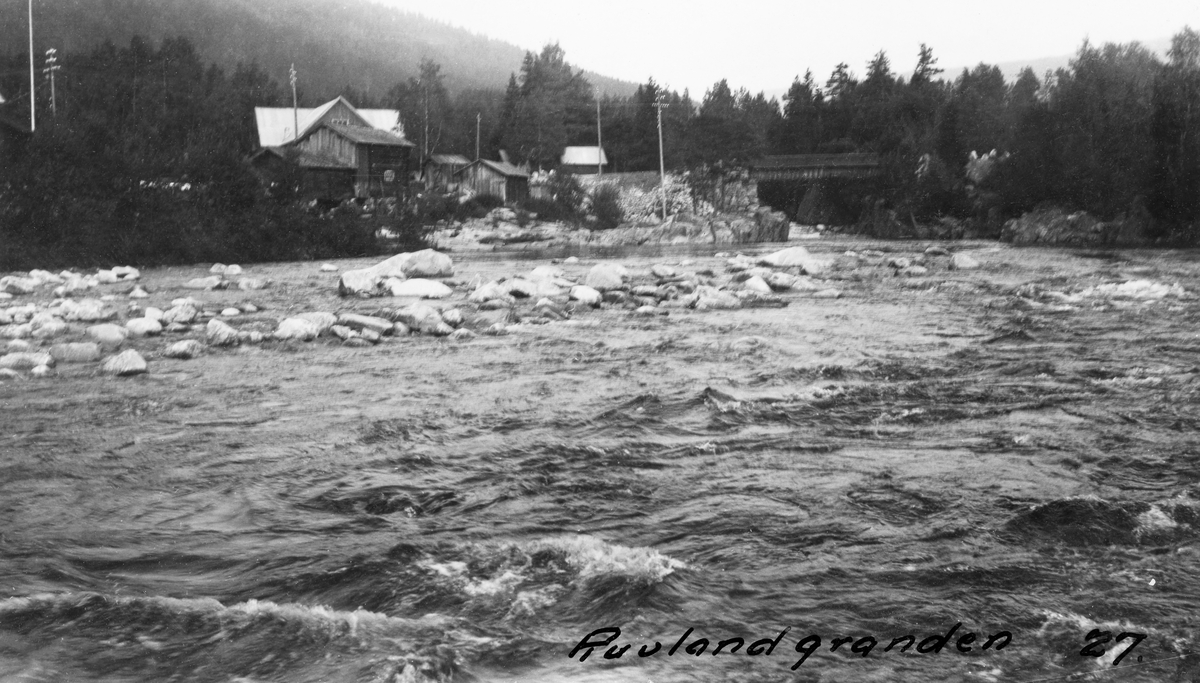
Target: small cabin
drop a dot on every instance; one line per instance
(497, 178)
(439, 169)
(582, 160)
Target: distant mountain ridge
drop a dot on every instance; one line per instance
(334, 44)
(1041, 65)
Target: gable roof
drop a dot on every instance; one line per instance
(275, 124)
(501, 167)
(583, 156)
(383, 119)
(448, 159)
(367, 135)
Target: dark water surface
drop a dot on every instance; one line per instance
(265, 517)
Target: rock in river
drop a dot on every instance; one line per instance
(963, 262)
(77, 352)
(711, 298)
(757, 284)
(184, 350)
(25, 360)
(297, 328)
(795, 257)
(108, 335)
(424, 319)
(322, 319)
(605, 276)
(586, 295)
(359, 322)
(143, 327)
(125, 363)
(218, 333)
(364, 281)
(418, 287)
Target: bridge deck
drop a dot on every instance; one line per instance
(815, 166)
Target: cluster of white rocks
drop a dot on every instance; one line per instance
(90, 329)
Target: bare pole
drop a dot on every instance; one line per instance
(32, 82)
(50, 68)
(662, 167)
(478, 119)
(295, 108)
(426, 88)
(599, 142)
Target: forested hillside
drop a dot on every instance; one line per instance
(334, 45)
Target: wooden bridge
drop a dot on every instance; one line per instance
(815, 166)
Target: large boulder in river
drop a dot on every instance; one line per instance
(108, 335)
(362, 281)
(125, 363)
(757, 284)
(428, 263)
(491, 291)
(418, 287)
(143, 327)
(795, 257)
(14, 284)
(184, 350)
(606, 276)
(48, 329)
(586, 295)
(297, 328)
(711, 298)
(393, 266)
(963, 262)
(211, 282)
(424, 319)
(419, 264)
(87, 310)
(76, 352)
(358, 322)
(322, 319)
(182, 313)
(218, 333)
(550, 273)
(424, 263)
(25, 360)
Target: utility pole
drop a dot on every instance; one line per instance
(295, 109)
(426, 88)
(599, 143)
(478, 119)
(662, 168)
(32, 83)
(51, 67)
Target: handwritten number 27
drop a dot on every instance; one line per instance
(1096, 649)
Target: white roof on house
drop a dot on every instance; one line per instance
(276, 124)
(583, 156)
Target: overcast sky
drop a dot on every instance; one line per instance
(762, 45)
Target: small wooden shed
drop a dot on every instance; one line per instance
(497, 178)
(439, 169)
(582, 160)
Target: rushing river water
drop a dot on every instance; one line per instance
(333, 515)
